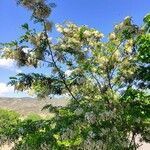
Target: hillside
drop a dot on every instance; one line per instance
(27, 105)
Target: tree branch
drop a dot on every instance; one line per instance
(58, 69)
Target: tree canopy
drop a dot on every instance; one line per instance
(107, 78)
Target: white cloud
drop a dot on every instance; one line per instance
(6, 63)
(6, 90)
(9, 64)
(68, 72)
(18, 71)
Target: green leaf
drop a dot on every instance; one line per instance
(25, 26)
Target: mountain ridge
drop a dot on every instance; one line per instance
(27, 105)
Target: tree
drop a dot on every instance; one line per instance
(107, 82)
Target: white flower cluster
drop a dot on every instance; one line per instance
(104, 131)
(127, 22)
(90, 117)
(119, 26)
(78, 111)
(90, 144)
(59, 28)
(112, 36)
(106, 115)
(21, 130)
(39, 8)
(91, 134)
(77, 37)
(36, 40)
(67, 134)
(80, 80)
(129, 46)
(32, 61)
(93, 33)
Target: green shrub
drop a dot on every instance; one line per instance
(8, 118)
(8, 121)
(33, 117)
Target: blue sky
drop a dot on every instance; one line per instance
(100, 14)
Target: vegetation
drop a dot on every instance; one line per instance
(33, 117)
(106, 77)
(8, 120)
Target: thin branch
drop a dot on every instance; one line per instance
(98, 83)
(108, 77)
(58, 69)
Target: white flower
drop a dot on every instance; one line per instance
(80, 80)
(73, 40)
(78, 111)
(112, 36)
(90, 117)
(117, 54)
(63, 46)
(95, 32)
(21, 130)
(91, 43)
(6, 49)
(98, 34)
(138, 120)
(101, 35)
(127, 18)
(114, 129)
(87, 33)
(59, 28)
(102, 59)
(66, 30)
(38, 43)
(75, 35)
(71, 25)
(121, 25)
(129, 46)
(91, 134)
(116, 27)
(104, 131)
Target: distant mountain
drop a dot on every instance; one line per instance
(27, 105)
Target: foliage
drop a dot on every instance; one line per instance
(33, 117)
(8, 121)
(107, 80)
